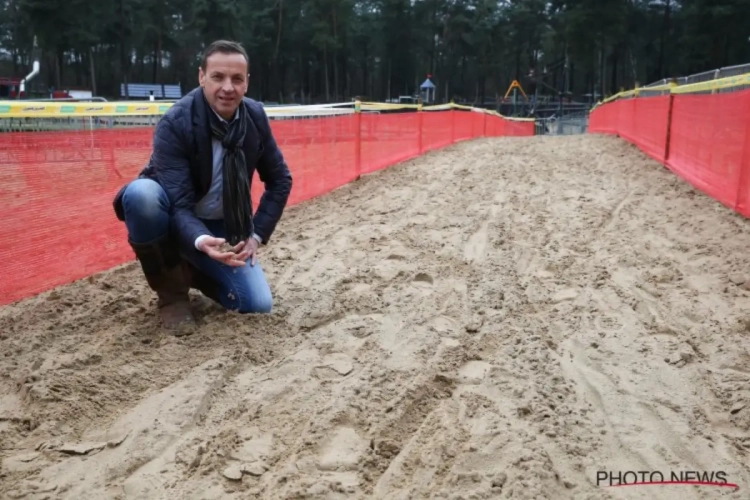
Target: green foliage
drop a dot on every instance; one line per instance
(332, 50)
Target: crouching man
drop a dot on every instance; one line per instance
(189, 214)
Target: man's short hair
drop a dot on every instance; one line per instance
(223, 47)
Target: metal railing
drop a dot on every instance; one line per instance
(722, 80)
(705, 76)
(568, 124)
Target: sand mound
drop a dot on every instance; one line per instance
(501, 319)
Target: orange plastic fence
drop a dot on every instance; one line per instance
(56, 188)
(703, 138)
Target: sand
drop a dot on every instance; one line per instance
(499, 319)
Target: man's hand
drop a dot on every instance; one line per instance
(214, 248)
(248, 250)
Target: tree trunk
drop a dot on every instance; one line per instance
(390, 66)
(124, 53)
(325, 71)
(664, 30)
(276, 72)
(59, 61)
(92, 70)
(335, 58)
(366, 84)
(157, 55)
(613, 83)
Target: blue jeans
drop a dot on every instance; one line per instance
(242, 289)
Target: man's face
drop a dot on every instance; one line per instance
(224, 82)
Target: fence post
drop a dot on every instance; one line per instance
(420, 120)
(743, 181)
(484, 123)
(669, 124)
(453, 122)
(358, 138)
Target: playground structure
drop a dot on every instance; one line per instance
(427, 90)
(551, 117)
(16, 88)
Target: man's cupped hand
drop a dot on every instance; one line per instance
(236, 256)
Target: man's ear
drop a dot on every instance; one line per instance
(201, 77)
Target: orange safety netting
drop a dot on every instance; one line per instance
(641, 121)
(703, 138)
(56, 188)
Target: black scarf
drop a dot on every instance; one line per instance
(238, 217)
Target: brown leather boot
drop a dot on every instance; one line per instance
(162, 266)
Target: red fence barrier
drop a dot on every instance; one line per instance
(56, 188)
(703, 138)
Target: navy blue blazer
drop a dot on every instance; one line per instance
(182, 163)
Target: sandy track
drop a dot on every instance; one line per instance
(500, 319)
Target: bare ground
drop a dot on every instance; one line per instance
(500, 319)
